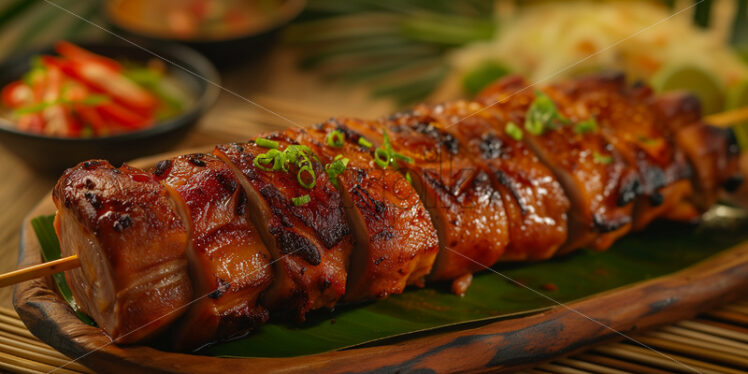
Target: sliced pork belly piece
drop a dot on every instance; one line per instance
(228, 261)
(534, 201)
(625, 116)
(396, 242)
(713, 152)
(132, 244)
(595, 176)
(464, 206)
(309, 241)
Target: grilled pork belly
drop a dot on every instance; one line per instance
(606, 157)
(310, 243)
(624, 116)
(229, 264)
(712, 152)
(534, 201)
(395, 241)
(464, 206)
(131, 241)
(595, 175)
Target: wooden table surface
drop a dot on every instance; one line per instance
(272, 82)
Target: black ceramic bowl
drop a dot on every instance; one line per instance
(223, 52)
(54, 154)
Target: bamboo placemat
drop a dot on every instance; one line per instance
(713, 342)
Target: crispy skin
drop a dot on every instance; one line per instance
(228, 260)
(465, 208)
(593, 186)
(713, 152)
(626, 119)
(310, 244)
(534, 201)
(131, 241)
(396, 242)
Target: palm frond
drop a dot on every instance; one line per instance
(395, 47)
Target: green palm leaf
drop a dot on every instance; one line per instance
(374, 42)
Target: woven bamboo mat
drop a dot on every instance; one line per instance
(714, 342)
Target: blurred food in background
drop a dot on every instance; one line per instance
(228, 32)
(82, 94)
(553, 40)
(397, 48)
(412, 50)
(196, 19)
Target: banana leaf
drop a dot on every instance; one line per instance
(513, 289)
(658, 251)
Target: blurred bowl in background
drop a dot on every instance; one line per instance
(228, 32)
(54, 154)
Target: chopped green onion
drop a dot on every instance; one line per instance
(91, 100)
(602, 159)
(335, 139)
(387, 143)
(382, 157)
(295, 154)
(263, 159)
(300, 176)
(278, 160)
(403, 157)
(266, 143)
(301, 200)
(513, 131)
(588, 125)
(364, 143)
(336, 167)
(408, 178)
(542, 114)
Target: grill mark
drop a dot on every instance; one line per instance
(654, 178)
(490, 146)
(222, 288)
(196, 159)
(628, 192)
(373, 205)
(241, 203)
(227, 182)
(291, 243)
(445, 139)
(162, 167)
(509, 183)
(122, 223)
(93, 199)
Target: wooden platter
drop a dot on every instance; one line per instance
(492, 346)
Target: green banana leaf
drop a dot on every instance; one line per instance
(660, 250)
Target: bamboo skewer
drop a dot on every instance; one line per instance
(729, 118)
(40, 270)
